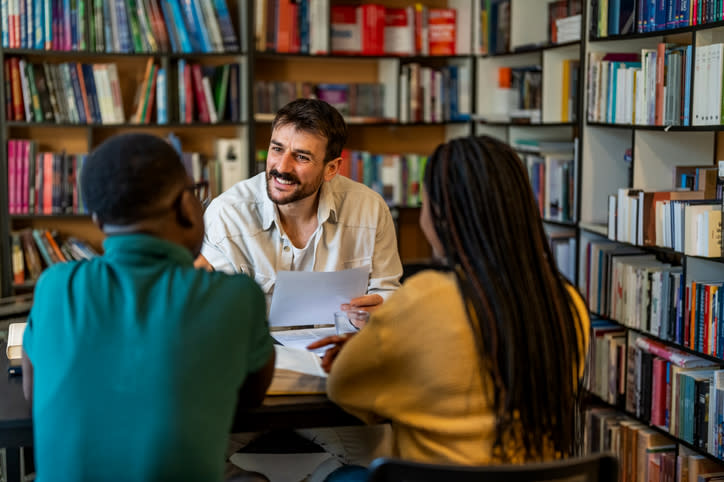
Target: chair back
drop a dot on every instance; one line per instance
(595, 468)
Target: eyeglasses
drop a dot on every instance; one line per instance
(202, 192)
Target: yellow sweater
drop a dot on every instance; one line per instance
(415, 364)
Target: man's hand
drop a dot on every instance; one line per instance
(201, 263)
(367, 303)
(337, 342)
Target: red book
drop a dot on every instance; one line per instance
(199, 94)
(441, 31)
(658, 392)
(48, 183)
(285, 21)
(400, 31)
(373, 29)
(18, 109)
(12, 175)
(24, 167)
(344, 165)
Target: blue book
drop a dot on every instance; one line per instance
(187, 16)
(198, 15)
(91, 93)
(181, 90)
(684, 13)
(107, 29)
(124, 32)
(4, 23)
(23, 25)
(687, 86)
(670, 16)
(660, 20)
(65, 39)
(73, 25)
(453, 92)
(161, 98)
(169, 20)
(77, 94)
(641, 15)
(228, 36)
(38, 24)
(303, 22)
(614, 13)
(185, 43)
(651, 16)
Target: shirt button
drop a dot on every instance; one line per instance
(286, 248)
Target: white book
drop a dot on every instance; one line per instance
(621, 214)
(27, 98)
(114, 87)
(14, 348)
(404, 94)
(464, 89)
(620, 100)
(426, 86)
(639, 97)
(400, 31)
(463, 25)
(229, 154)
(715, 83)
(603, 94)
(700, 85)
(209, 100)
(439, 93)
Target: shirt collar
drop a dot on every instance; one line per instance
(145, 245)
(326, 210)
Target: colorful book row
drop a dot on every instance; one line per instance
(118, 25)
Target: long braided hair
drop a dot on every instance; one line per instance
(527, 331)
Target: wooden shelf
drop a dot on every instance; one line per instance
(369, 121)
(672, 344)
(406, 58)
(90, 54)
(658, 33)
(66, 125)
(532, 49)
(663, 431)
(634, 127)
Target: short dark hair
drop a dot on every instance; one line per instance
(314, 115)
(123, 180)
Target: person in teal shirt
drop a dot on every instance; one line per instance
(136, 363)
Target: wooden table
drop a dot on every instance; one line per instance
(277, 412)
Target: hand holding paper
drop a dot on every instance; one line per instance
(311, 298)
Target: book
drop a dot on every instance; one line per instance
(14, 348)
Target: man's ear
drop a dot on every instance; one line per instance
(332, 168)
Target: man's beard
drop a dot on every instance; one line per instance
(302, 191)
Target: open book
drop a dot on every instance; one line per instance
(297, 372)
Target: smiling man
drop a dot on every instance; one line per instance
(299, 215)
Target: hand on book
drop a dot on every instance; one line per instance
(337, 341)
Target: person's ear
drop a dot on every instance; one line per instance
(332, 168)
(188, 212)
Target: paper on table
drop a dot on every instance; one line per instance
(296, 372)
(303, 337)
(311, 298)
(281, 467)
(302, 361)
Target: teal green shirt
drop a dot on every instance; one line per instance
(138, 359)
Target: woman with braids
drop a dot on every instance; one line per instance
(479, 362)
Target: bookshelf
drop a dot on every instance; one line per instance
(545, 129)
(638, 146)
(66, 134)
(407, 122)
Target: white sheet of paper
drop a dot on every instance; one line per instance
(297, 360)
(311, 298)
(303, 337)
(281, 467)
